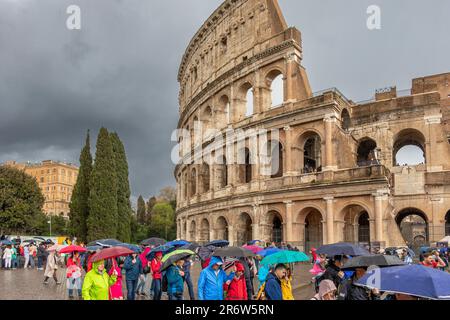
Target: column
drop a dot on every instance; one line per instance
(330, 121)
(212, 177)
(289, 221)
(289, 171)
(379, 217)
(330, 219)
(212, 234)
(255, 231)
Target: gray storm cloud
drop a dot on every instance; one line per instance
(120, 69)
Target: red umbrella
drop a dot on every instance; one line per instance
(254, 249)
(72, 248)
(110, 253)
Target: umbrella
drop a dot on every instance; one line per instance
(254, 249)
(40, 239)
(285, 256)
(373, 260)
(57, 247)
(233, 252)
(340, 249)
(191, 246)
(94, 248)
(254, 242)
(110, 253)
(164, 249)
(175, 256)
(105, 242)
(229, 262)
(218, 243)
(153, 242)
(132, 247)
(72, 248)
(177, 243)
(268, 252)
(206, 252)
(6, 242)
(414, 280)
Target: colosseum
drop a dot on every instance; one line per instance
(337, 176)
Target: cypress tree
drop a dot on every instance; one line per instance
(79, 206)
(123, 190)
(102, 220)
(150, 204)
(141, 211)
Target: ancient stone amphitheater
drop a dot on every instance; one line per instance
(337, 176)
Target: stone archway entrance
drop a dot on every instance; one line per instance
(414, 227)
(222, 229)
(244, 229)
(356, 225)
(204, 231)
(277, 227)
(313, 237)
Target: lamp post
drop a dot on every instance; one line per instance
(50, 223)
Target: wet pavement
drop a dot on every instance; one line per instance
(28, 284)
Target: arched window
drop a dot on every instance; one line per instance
(249, 100)
(207, 125)
(277, 228)
(222, 172)
(244, 103)
(277, 91)
(345, 118)
(367, 153)
(245, 166)
(276, 154)
(193, 179)
(223, 113)
(205, 178)
(312, 154)
(222, 229)
(413, 225)
(409, 148)
(364, 228)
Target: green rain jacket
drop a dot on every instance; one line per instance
(96, 285)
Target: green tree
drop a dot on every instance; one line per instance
(124, 210)
(141, 210)
(150, 204)
(79, 204)
(21, 201)
(169, 195)
(163, 221)
(103, 217)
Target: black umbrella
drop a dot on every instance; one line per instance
(342, 249)
(206, 252)
(373, 260)
(218, 243)
(153, 242)
(233, 252)
(105, 242)
(174, 258)
(190, 246)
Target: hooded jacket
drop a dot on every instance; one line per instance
(175, 283)
(96, 285)
(237, 290)
(273, 288)
(326, 286)
(132, 270)
(210, 285)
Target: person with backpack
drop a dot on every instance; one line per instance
(175, 282)
(333, 271)
(212, 280)
(348, 291)
(155, 267)
(236, 289)
(133, 269)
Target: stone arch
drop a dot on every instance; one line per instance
(221, 172)
(193, 230)
(412, 223)
(309, 152)
(204, 231)
(275, 80)
(275, 220)
(245, 102)
(346, 121)
(207, 122)
(367, 153)
(222, 228)
(195, 131)
(204, 178)
(412, 141)
(356, 223)
(244, 228)
(193, 182)
(245, 166)
(447, 224)
(223, 111)
(311, 233)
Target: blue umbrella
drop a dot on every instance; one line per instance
(164, 249)
(6, 242)
(268, 252)
(105, 242)
(132, 247)
(285, 256)
(177, 243)
(94, 248)
(341, 249)
(414, 280)
(218, 243)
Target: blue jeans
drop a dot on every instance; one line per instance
(131, 289)
(157, 292)
(188, 281)
(141, 285)
(39, 262)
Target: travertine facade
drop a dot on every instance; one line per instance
(338, 178)
(56, 180)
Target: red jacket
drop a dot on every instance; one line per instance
(237, 290)
(156, 269)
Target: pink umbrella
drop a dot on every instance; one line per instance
(254, 249)
(72, 248)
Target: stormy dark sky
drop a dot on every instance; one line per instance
(120, 69)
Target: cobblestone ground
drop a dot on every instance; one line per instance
(28, 284)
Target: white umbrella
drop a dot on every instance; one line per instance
(56, 247)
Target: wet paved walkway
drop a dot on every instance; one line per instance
(28, 284)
